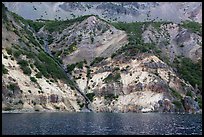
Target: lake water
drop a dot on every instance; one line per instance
(101, 123)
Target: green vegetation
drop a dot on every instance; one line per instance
(4, 70)
(35, 25)
(111, 97)
(23, 63)
(80, 64)
(26, 70)
(113, 55)
(97, 60)
(50, 39)
(29, 35)
(193, 26)
(39, 75)
(17, 53)
(176, 94)
(189, 71)
(157, 25)
(56, 25)
(4, 17)
(189, 93)
(33, 79)
(112, 77)
(70, 67)
(9, 50)
(12, 86)
(200, 101)
(25, 67)
(90, 96)
(178, 104)
(116, 69)
(70, 49)
(88, 73)
(48, 67)
(136, 44)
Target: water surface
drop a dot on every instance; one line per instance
(101, 123)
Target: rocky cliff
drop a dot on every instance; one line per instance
(88, 62)
(32, 80)
(113, 11)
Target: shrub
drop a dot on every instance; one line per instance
(33, 79)
(175, 94)
(112, 77)
(23, 63)
(4, 70)
(189, 93)
(26, 70)
(48, 67)
(70, 67)
(80, 65)
(90, 96)
(17, 53)
(88, 73)
(113, 55)
(200, 101)
(178, 104)
(110, 96)
(96, 60)
(9, 51)
(12, 86)
(189, 71)
(35, 25)
(50, 39)
(193, 26)
(116, 69)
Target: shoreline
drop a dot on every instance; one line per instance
(53, 111)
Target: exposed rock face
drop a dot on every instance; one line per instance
(190, 105)
(19, 90)
(141, 82)
(54, 98)
(120, 11)
(91, 38)
(143, 87)
(174, 41)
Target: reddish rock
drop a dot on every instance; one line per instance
(54, 98)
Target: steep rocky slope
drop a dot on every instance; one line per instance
(176, 40)
(120, 11)
(119, 67)
(31, 81)
(86, 40)
(138, 83)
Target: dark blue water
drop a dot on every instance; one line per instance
(101, 123)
